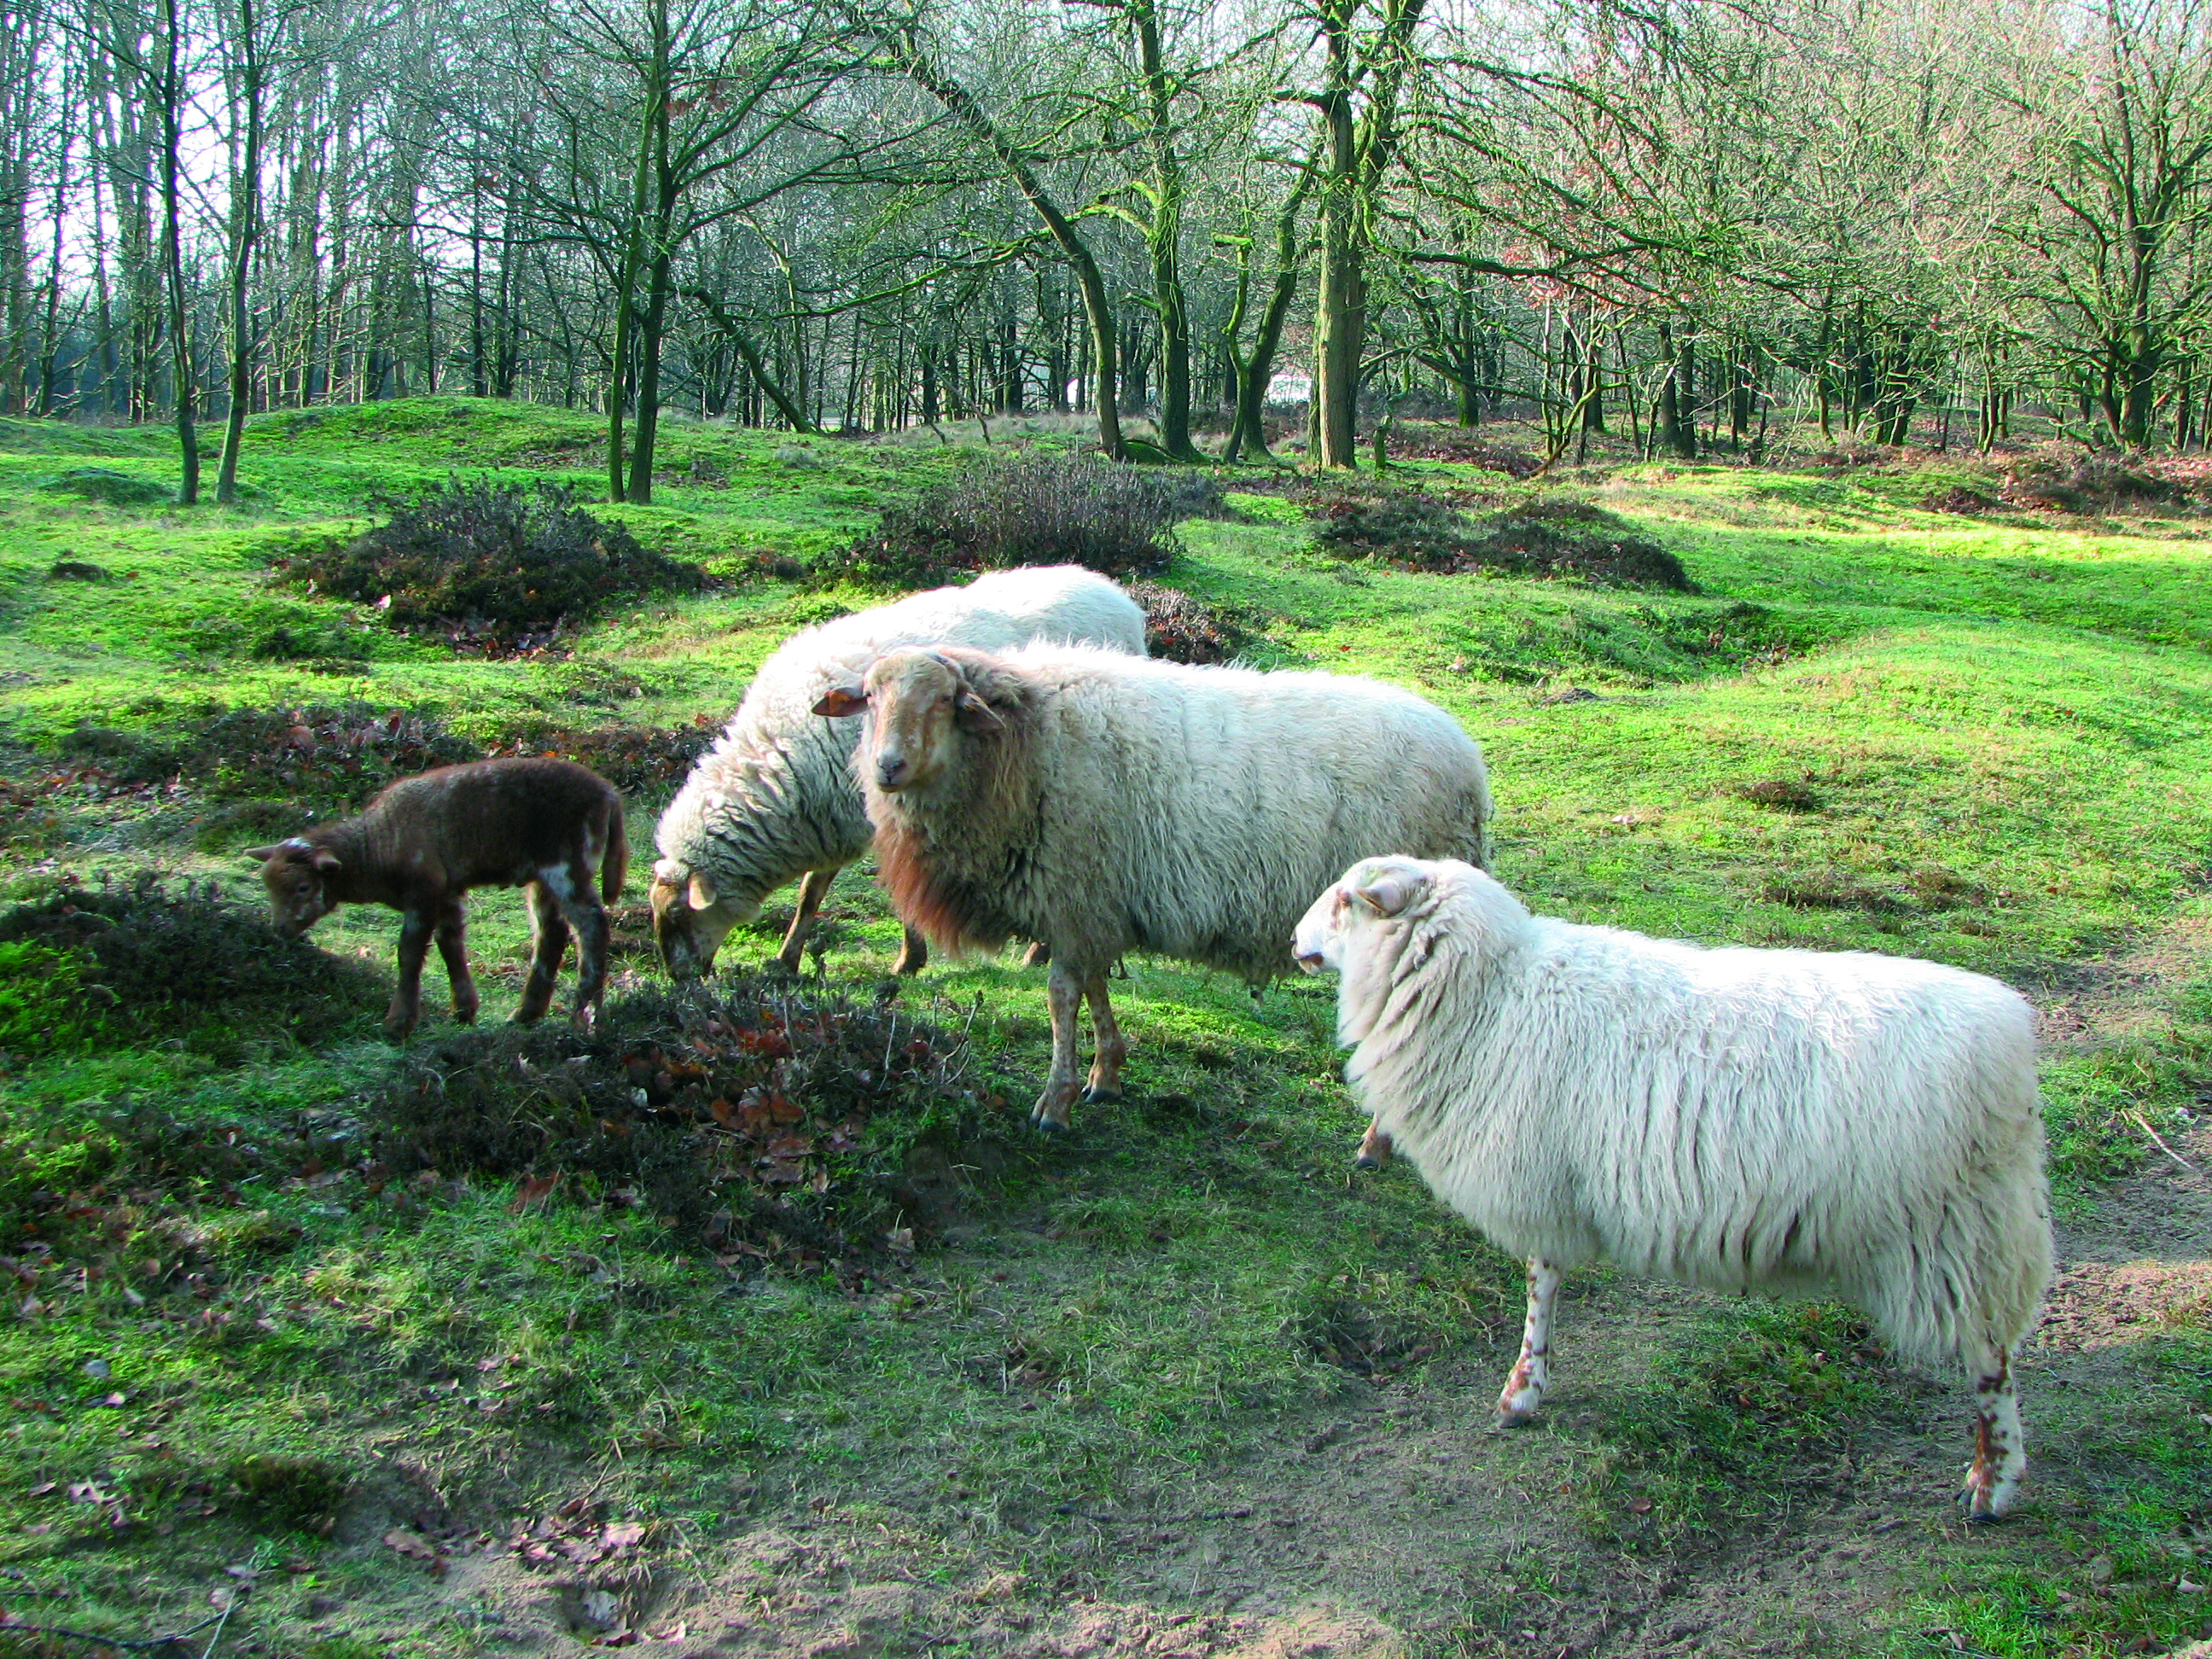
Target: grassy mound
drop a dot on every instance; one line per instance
(494, 568)
(143, 961)
(633, 758)
(106, 485)
(1553, 536)
(2075, 480)
(781, 1125)
(314, 757)
(1034, 509)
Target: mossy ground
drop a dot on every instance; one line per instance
(1988, 742)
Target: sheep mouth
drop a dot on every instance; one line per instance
(1312, 963)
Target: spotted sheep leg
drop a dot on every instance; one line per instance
(573, 886)
(1064, 997)
(1524, 1388)
(1109, 1048)
(548, 943)
(2000, 1450)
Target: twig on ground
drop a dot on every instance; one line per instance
(2144, 1123)
(174, 1640)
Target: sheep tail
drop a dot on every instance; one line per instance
(615, 864)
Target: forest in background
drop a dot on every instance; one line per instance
(1688, 224)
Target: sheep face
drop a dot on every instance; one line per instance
(293, 872)
(1359, 927)
(690, 921)
(919, 706)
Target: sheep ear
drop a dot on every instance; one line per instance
(974, 714)
(701, 891)
(327, 860)
(1387, 895)
(262, 854)
(840, 701)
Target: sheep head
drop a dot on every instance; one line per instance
(1359, 928)
(295, 872)
(919, 704)
(691, 919)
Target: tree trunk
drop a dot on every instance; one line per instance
(245, 229)
(651, 324)
(172, 94)
(1340, 317)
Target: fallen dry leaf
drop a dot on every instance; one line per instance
(533, 1191)
(412, 1545)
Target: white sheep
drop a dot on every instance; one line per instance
(1798, 1121)
(1101, 805)
(776, 797)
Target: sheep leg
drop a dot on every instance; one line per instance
(1037, 955)
(1064, 994)
(548, 943)
(2000, 1445)
(1109, 1048)
(414, 930)
(914, 952)
(453, 949)
(1524, 1389)
(593, 933)
(813, 889)
(1375, 1149)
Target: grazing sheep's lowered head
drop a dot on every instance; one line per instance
(691, 919)
(920, 704)
(295, 873)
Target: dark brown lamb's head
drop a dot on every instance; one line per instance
(293, 872)
(919, 703)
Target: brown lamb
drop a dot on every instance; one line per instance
(423, 842)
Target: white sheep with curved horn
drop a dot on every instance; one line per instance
(1805, 1122)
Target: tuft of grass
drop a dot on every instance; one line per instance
(1744, 1415)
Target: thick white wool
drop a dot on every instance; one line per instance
(1859, 1126)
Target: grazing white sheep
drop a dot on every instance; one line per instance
(776, 797)
(1102, 803)
(1804, 1121)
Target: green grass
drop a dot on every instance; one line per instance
(1997, 738)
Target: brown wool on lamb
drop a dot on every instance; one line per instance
(549, 825)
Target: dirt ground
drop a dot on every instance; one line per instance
(1393, 1522)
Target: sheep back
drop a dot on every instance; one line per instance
(1191, 812)
(1810, 1122)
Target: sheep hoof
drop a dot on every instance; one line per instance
(1095, 1096)
(1046, 1125)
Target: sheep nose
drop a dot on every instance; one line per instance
(890, 771)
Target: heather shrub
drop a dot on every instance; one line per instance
(780, 1123)
(494, 567)
(1553, 536)
(1033, 508)
(143, 960)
